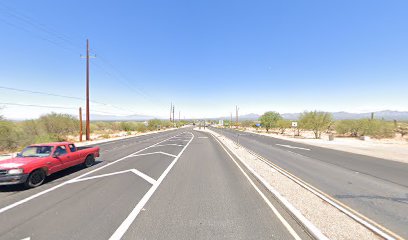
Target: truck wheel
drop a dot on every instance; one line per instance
(89, 161)
(35, 179)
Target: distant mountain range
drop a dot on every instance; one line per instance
(97, 117)
(386, 115)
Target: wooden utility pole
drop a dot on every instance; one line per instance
(80, 124)
(236, 116)
(171, 109)
(173, 116)
(87, 127)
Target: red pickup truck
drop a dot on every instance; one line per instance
(38, 161)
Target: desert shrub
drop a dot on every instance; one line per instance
(154, 124)
(247, 123)
(141, 127)
(315, 121)
(58, 126)
(10, 136)
(269, 120)
(402, 128)
(283, 124)
(376, 128)
(105, 136)
(127, 126)
(349, 127)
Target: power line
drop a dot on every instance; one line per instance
(65, 96)
(24, 20)
(47, 106)
(34, 105)
(42, 93)
(35, 28)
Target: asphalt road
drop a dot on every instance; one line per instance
(174, 185)
(377, 188)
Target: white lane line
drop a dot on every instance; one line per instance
(99, 176)
(132, 216)
(27, 238)
(144, 176)
(274, 210)
(145, 154)
(169, 144)
(67, 182)
(168, 154)
(289, 146)
(135, 171)
(179, 140)
(202, 137)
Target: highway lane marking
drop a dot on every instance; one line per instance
(289, 146)
(132, 138)
(274, 210)
(145, 154)
(170, 144)
(135, 171)
(202, 137)
(13, 205)
(118, 234)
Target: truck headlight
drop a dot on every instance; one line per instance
(15, 171)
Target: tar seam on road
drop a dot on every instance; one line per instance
(132, 216)
(274, 210)
(74, 179)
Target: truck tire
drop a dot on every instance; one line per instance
(89, 161)
(35, 179)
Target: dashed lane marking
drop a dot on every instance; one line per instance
(170, 144)
(289, 146)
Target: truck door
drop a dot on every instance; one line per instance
(76, 157)
(62, 154)
(57, 161)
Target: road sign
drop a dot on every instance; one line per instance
(294, 124)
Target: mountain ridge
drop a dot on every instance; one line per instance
(340, 115)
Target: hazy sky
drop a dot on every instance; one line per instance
(205, 56)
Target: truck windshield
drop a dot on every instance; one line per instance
(37, 151)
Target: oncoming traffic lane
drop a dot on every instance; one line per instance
(99, 204)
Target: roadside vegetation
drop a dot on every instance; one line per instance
(56, 127)
(319, 122)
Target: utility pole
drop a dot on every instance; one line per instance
(87, 127)
(236, 117)
(171, 109)
(173, 115)
(80, 124)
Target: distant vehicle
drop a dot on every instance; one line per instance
(38, 161)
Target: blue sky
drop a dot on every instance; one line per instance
(205, 56)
